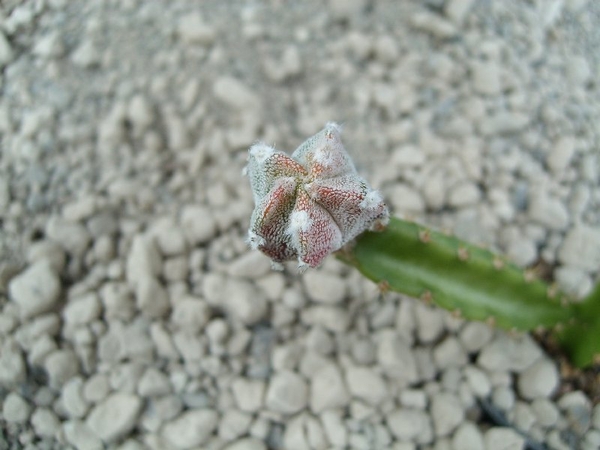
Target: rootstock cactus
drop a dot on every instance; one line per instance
(310, 204)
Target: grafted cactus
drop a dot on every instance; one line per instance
(310, 204)
(314, 203)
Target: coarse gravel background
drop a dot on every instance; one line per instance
(134, 316)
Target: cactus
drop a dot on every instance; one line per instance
(314, 203)
(310, 204)
(475, 283)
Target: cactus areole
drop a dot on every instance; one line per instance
(310, 204)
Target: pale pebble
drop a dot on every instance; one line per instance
(191, 429)
(323, 287)
(15, 409)
(114, 417)
(36, 290)
(287, 393)
(328, 389)
(499, 438)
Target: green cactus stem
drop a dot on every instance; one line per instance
(473, 282)
(581, 337)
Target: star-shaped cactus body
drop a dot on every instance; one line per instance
(310, 204)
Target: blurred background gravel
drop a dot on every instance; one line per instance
(134, 316)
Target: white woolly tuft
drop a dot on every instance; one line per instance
(322, 157)
(277, 266)
(333, 125)
(254, 240)
(372, 200)
(299, 221)
(302, 266)
(261, 152)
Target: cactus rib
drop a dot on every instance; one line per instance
(456, 276)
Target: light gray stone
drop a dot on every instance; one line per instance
(486, 77)
(86, 55)
(503, 397)
(522, 251)
(478, 381)
(561, 154)
(433, 24)
(246, 444)
(509, 353)
(49, 45)
(72, 398)
(250, 265)
(96, 388)
(287, 393)
(574, 281)
(333, 318)
(410, 425)
(169, 237)
(323, 287)
(50, 251)
(304, 431)
(548, 211)
(143, 260)
(61, 365)
(328, 389)
(467, 437)
(151, 297)
(141, 116)
(541, 379)
(45, 422)
(72, 236)
(115, 417)
(248, 394)
(334, 428)
(581, 248)
(191, 429)
(36, 290)
(405, 199)
(474, 336)
(577, 409)
(522, 416)
(430, 322)
(457, 11)
(193, 29)
(396, 358)
(366, 384)
(449, 353)
(545, 411)
(234, 424)
(6, 53)
(407, 156)
(503, 122)
(80, 436)
(244, 301)
(153, 383)
(117, 301)
(235, 94)
(578, 69)
(413, 398)
(190, 314)
(596, 417)
(499, 438)
(82, 310)
(15, 409)
(12, 365)
(346, 9)
(446, 412)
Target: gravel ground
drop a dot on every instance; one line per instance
(134, 316)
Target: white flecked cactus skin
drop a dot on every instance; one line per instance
(310, 204)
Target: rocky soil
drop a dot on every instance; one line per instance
(134, 316)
